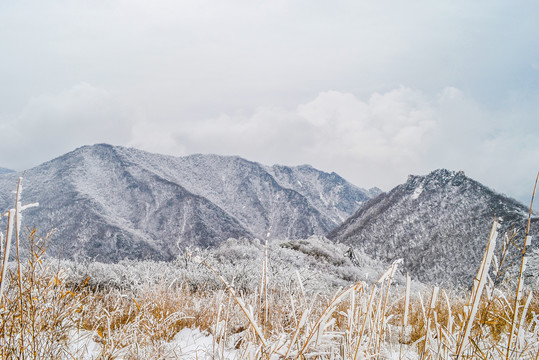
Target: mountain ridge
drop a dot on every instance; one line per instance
(439, 223)
(5, 171)
(108, 201)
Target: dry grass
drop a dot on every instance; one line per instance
(41, 313)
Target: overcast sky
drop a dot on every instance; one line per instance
(373, 90)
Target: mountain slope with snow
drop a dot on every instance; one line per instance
(324, 191)
(438, 223)
(108, 202)
(5, 171)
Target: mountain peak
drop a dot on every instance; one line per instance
(94, 147)
(112, 202)
(439, 223)
(444, 173)
(439, 177)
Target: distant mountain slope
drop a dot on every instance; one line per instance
(104, 206)
(5, 171)
(112, 202)
(323, 191)
(438, 223)
(258, 198)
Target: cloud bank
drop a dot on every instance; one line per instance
(375, 141)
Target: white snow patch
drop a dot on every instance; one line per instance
(193, 344)
(188, 344)
(417, 192)
(397, 353)
(82, 344)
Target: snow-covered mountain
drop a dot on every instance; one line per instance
(324, 191)
(438, 223)
(109, 202)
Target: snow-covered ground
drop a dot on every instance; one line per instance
(188, 344)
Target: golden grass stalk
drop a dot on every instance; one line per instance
(388, 275)
(14, 223)
(263, 300)
(523, 319)
(248, 312)
(477, 290)
(326, 313)
(520, 282)
(301, 323)
(9, 233)
(365, 321)
(450, 320)
(406, 313)
(406, 302)
(433, 299)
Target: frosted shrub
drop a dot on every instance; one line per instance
(239, 261)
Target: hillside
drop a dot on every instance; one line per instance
(109, 203)
(5, 171)
(438, 223)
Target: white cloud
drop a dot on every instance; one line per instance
(52, 124)
(500, 148)
(335, 131)
(377, 141)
